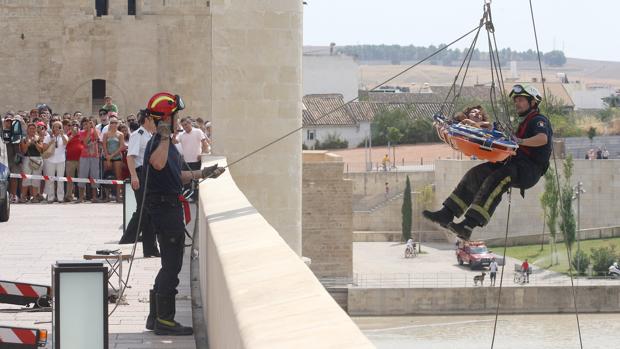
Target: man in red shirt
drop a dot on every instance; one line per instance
(525, 269)
(89, 158)
(74, 149)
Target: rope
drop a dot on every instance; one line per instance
(542, 78)
(469, 54)
(501, 277)
(557, 176)
(135, 243)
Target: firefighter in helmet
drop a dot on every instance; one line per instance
(164, 206)
(481, 189)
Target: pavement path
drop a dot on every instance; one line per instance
(37, 235)
(382, 264)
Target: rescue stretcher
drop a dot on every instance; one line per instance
(491, 145)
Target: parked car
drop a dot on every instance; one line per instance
(5, 202)
(474, 253)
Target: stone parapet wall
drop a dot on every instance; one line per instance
(481, 300)
(256, 291)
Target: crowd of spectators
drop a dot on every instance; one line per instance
(40, 142)
(598, 154)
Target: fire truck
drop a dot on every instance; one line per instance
(474, 253)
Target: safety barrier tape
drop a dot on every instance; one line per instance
(16, 335)
(66, 179)
(23, 289)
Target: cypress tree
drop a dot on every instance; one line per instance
(407, 211)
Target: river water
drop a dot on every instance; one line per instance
(599, 331)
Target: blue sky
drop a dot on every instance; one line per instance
(584, 29)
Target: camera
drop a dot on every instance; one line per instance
(7, 135)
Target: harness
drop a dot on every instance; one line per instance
(523, 128)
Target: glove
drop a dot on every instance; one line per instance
(212, 171)
(163, 129)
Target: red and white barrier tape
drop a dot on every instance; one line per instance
(66, 179)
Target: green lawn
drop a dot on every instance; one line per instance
(542, 259)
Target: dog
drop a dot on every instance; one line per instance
(479, 278)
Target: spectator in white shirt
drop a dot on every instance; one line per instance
(55, 164)
(193, 143)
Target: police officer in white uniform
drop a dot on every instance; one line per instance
(135, 157)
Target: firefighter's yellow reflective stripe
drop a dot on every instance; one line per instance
(482, 211)
(167, 323)
(159, 99)
(459, 202)
(496, 192)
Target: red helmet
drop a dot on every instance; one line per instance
(163, 105)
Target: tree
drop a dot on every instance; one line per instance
(591, 133)
(567, 224)
(384, 122)
(554, 58)
(425, 200)
(407, 211)
(549, 201)
(394, 135)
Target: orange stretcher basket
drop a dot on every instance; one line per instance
(490, 145)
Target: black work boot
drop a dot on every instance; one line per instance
(164, 323)
(442, 217)
(150, 320)
(463, 229)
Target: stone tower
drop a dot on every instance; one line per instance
(235, 62)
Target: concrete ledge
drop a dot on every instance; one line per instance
(258, 292)
(395, 236)
(481, 300)
(584, 234)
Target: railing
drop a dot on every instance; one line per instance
(356, 167)
(465, 279)
(370, 203)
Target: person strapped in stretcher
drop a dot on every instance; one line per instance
(480, 191)
(474, 116)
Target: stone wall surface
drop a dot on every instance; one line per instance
(481, 300)
(256, 98)
(327, 219)
(54, 49)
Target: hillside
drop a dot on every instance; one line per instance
(586, 71)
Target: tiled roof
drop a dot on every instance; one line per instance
(326, 109)
(316, 106)
(437, 95)
(404, 97)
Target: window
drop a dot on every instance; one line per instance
(310, 135)
(131, 7)
(101, 7)
(98, 94)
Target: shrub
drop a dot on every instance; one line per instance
(581, 261)
(602, 258)
(332, 141)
